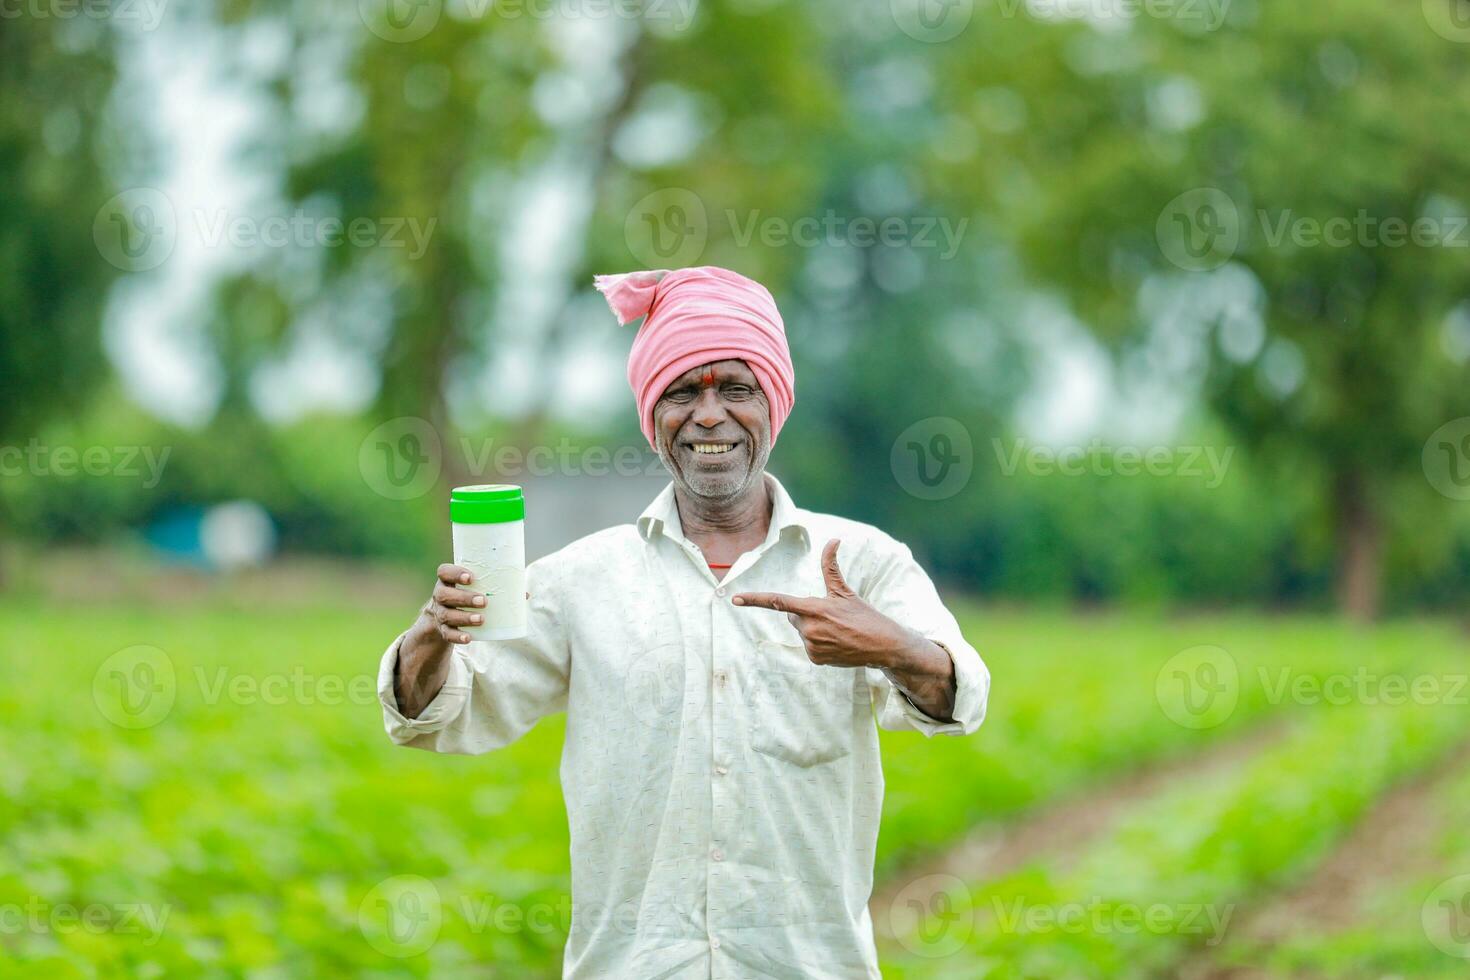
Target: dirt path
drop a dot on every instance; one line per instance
(1394, 839)
(1058, 832)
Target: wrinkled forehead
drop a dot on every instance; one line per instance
(716, 372)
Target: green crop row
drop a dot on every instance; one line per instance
(1412, 922)
(1078, 700)
(1167, 880)
(263, 814)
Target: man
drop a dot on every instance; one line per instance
(720, 662)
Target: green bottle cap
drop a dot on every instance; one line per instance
(491, 503)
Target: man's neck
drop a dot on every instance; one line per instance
(726, 529)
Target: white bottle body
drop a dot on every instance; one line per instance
(495, 555)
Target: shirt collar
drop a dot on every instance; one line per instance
(663, 514)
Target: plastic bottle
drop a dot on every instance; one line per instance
(489, 539)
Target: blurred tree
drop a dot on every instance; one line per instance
(415, 143)
(809, 118)
(1244, 190)
(56, 74)
(455, 120)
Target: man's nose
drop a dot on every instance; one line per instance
(709, 408)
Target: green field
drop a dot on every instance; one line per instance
(248, 816)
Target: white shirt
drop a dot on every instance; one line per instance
(722, 791)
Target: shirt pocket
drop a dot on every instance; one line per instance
(801, 712)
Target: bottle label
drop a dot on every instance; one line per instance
(505, 595)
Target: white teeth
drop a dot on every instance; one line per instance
(723, 447)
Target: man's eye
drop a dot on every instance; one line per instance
(680, 395)
(739, 391)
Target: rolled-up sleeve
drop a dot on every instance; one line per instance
(496, 690)
(899, 588)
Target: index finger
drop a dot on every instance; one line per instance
(454, 574)
(779, 601)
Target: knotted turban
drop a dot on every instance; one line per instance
(695, 316)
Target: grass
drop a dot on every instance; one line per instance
(266, 813)
(1415, 922)
(1205, 847)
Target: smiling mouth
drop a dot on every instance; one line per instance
(712, 448)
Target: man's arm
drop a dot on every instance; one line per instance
(423, 652)
(843, 629)
(464, 697)
(924, 673)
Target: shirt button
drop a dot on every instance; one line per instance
(719, 591)
(717, 854)
(720, 770)
(720, 678)
(714, 942)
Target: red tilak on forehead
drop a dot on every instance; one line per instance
(708, 377)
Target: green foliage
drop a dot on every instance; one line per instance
(1289, 112)
(1389, 936)
(264, 808)
(57, 73)
(1213, 845)
(1022, 532)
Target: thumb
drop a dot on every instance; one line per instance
(831, 573)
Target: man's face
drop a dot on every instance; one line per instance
(713, 429)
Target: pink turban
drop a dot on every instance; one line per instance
(695, 316)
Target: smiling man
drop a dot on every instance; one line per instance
(721, 664)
